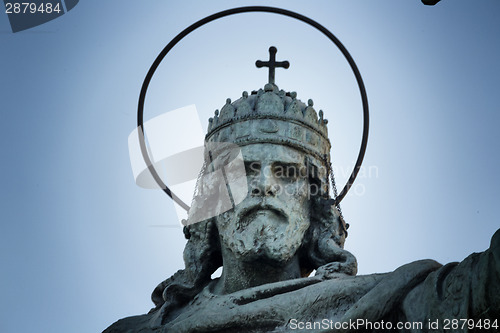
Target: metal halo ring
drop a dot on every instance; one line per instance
(239, 10)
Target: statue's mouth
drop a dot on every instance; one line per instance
(250, 214)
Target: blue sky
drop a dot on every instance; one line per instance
(82, 246)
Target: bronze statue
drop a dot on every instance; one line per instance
(279, 225)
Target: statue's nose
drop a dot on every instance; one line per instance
(265, 185)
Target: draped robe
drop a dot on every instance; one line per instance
(421, 294)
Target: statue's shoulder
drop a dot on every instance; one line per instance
(134, 324)
(495, 245)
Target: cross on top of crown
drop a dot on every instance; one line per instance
(272, 64)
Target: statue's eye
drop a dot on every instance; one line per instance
(286, 171)
(252, 168)
(291, 171)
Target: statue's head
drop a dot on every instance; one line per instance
(263, 193)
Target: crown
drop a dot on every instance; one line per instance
(271, 116)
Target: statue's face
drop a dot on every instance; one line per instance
(271, 221)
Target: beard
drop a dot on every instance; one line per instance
(264, 229)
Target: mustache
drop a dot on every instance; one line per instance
(261, 204)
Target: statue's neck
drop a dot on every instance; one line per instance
(237, 275)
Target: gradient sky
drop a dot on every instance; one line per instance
(81, 245)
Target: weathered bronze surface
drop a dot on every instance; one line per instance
(282, 230)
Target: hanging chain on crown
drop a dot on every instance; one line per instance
(345, 225)
(334, 187)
